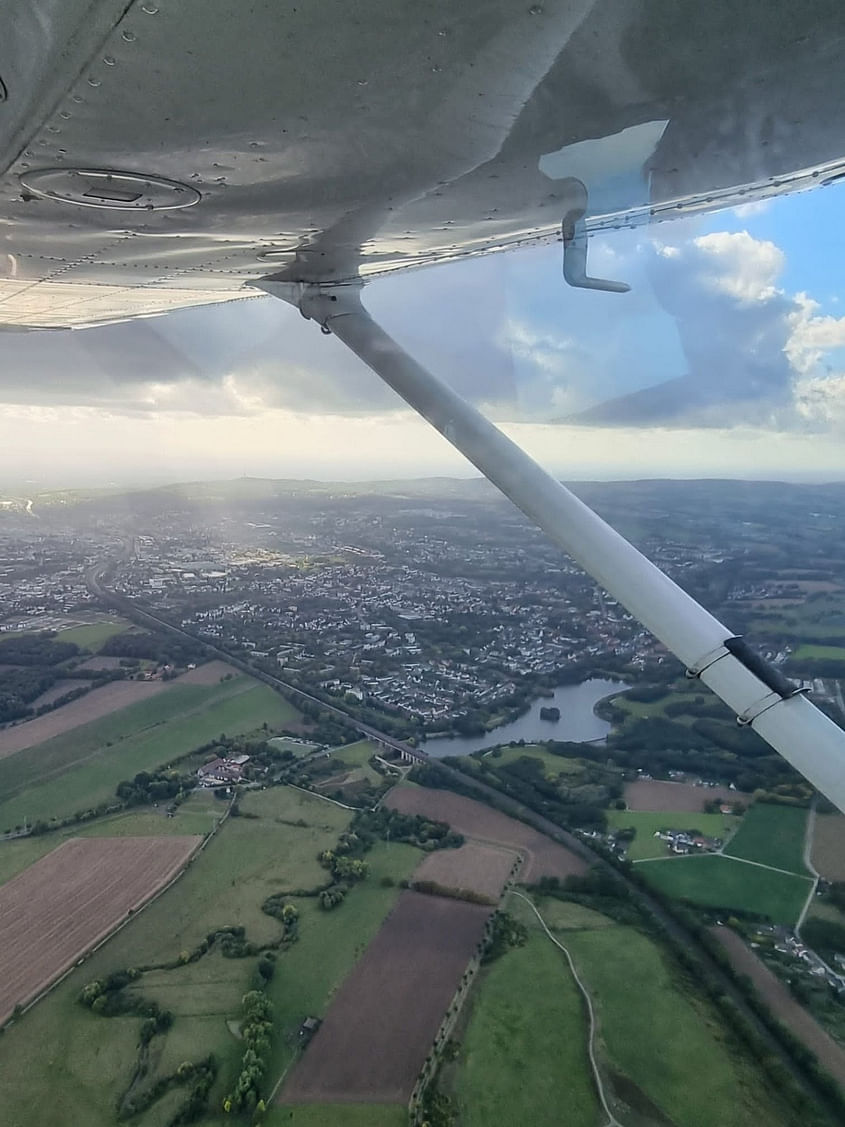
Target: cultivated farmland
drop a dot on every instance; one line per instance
(473, 819)
(63, 904)
(829, 846)
(772, 835)
(93, 706)
(782, 1003)
(655, 794)
(717, 881)
(81, 768)
(374, 1039)
(337, 1115)
(479, 868)
(209, 674)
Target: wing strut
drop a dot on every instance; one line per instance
(759, 696)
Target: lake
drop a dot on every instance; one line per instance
(577, 722)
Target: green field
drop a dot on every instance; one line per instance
(821, 652)
(91, 637)
(524, 1053)
(772, 835)
(641, 710)
(645, 845)
(806, 623)
(83, 1061)
(81, 768)
(720, 882)
(661, 1047)
(298, 748)
(553, 765)
(15, 856)
(358, 755)
(666, 1041)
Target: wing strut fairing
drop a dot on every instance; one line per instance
(759, 696)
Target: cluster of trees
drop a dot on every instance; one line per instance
(434, 888)
(438, 1109)
(391, 825)
(38, 654)
(836, 894)
(708, 747)
(200, 1076)
(345, 867)
(280, 909)
(164, 649)
(155, 786)
(108, 996)
(525, 781)
(324, 728)
(256, 1031)
(233, 944)
(36, 649)
(505, 932)
(598, 889)
(825, 936)
(19, 687)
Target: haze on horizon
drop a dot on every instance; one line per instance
(726, 360)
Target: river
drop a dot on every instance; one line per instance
(577, 721)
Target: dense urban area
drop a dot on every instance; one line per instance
(433, 602)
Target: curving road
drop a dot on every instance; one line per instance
(612, 1121)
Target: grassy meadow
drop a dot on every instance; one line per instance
(772, 835)
(716, 881)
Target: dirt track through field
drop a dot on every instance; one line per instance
(61, 906)
(782, 1004)
(381, 1024)
(657, 795)
(543, 857)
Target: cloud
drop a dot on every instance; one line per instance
(753, 354)
(736, 264)
(708, 338)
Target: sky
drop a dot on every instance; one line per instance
(726, 359)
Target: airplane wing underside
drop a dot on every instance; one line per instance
(163, 153)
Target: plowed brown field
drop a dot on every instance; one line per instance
(829, 845)
(376, 1035)
(543, 857)
(656, 794)
(481, 868)
(208, 674)
(783, 1005)
(58, 908)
